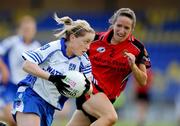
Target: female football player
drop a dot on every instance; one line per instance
(39, 94)
(114, 55)
(11, 49)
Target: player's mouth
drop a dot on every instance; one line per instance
(84, 51)
(120, 35)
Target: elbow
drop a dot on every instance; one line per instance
(144, 81)
(25, 66)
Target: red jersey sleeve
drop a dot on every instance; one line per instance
(143, 57)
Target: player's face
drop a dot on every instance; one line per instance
(81, 44)
(122, 28)
(28, 29)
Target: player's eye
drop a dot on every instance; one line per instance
(127, 28)
(87, 41)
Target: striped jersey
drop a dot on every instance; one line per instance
(52, 58)
(11, 49)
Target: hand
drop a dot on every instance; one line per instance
(131, 58)
(87, 86)
(60, 85)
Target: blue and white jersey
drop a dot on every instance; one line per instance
(14, 46)
(53, 59)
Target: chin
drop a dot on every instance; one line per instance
(122, 39)
(79, 54)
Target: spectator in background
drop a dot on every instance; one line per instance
(142, 98)
(11, 49)
(5, 93)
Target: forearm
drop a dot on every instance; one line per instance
(139, 74)
(4, 71)
(34, 69)
(3, 67)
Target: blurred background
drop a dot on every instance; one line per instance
(158, 27)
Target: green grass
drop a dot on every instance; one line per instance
(130, 123)
(123, 123)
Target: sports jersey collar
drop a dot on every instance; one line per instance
(63, 48)
(108, 35)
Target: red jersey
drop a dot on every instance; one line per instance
(109, 66)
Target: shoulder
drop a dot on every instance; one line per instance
(36, 43)
(84, 57)
(53, 44)
(136, 43)
(99, 35)
(14, 38)
(50, 47)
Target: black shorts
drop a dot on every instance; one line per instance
(82, 99)
(79, 102)
(143, 97)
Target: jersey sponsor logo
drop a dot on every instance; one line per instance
(118, 66)
(45, 47)
(52, 71)
(112, 52)
(101, 49)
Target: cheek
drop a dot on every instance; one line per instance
(119, 30)
(78, 46)
(128, 33)
(116, 29)
(81, 44)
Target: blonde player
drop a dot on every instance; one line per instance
(39, 94)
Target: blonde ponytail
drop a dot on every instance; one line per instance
(70, 26)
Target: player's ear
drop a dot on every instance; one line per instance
(72, 37)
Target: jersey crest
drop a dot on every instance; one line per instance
(45, 47)
(72, 66)
(101, 49)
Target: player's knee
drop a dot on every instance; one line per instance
(112, 118)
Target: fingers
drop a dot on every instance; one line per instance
(87, 80)
(61, 85)
(63, 77)
(130, 56)
(62, 92)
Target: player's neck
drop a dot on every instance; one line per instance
(69, 52)
(27, 40)
(114, 41)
